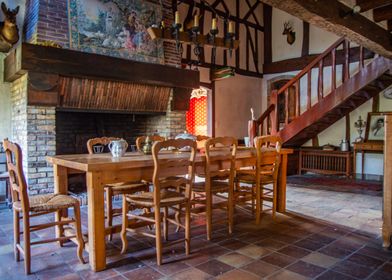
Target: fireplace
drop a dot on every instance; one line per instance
(74, 129)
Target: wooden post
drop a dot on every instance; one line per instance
(387, 213)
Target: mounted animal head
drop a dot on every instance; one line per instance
(10, 15)
(289, 32)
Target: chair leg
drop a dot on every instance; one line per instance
(79, 234)
(158, 233)
(16, 235)
(253, 199)
(165, 224)
(109, 210)
(27, 247)
(178, 218)
(124, 225)
(209, 214)
(188, 228)
(274, 200)
(230, 212)
(258, 203)
(60, 228)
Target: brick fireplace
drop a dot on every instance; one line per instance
(45, 123)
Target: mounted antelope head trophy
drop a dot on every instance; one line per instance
(9, 32)
(289, 32)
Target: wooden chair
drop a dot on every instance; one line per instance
(142, 139)
(265, 173)
(217, 181)
(25, 207)
(112, 190)
(200, 140)
(172, 190)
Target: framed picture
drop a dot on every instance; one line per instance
(375, 127)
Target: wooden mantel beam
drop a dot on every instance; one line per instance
(372, 4)
(326, 14)
(65, 62)
(382, 13)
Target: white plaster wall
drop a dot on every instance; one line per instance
(233, 99)
(280, 48)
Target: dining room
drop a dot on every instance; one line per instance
(158, 140)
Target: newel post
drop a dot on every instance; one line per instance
(275, 114)
(252, 131)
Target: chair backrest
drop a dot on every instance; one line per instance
(142, 139)
(99, 141)
(201, 139)
(220, 158)
(16, 176)
(170, 168)
(268, 154)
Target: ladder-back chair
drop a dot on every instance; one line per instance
(172, 182)
(26, 207)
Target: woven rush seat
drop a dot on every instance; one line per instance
(249, 177)
(216, 186)
(48, 202)
(128, 186)
(146, 199)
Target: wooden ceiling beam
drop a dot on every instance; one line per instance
(382, 13)
(326, 15)
(372, 4)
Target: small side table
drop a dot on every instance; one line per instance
(366, 147)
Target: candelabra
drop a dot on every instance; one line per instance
(359, 125)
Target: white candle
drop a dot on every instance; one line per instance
(231, 27)
(213, 27)
(196, 21)
(177, 18)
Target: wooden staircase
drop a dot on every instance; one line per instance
(306, 123)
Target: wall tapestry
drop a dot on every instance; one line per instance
(115, 28)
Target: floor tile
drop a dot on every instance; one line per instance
(287, 275)
(320, 259)
(144, 273)
(309, 244)
(191, 273)
(233, 244)
(365, 260)
(271, 244)
(235, 259)
(336, 251)
(332, 275)
(260, 268)
(278, 259)
(214, 267)
(353, 269)
(254, 251)
(306, 269)
(237, 274)
(294, 251)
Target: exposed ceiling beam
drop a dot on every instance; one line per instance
(382, 13)
(326, 14)
(372, 4)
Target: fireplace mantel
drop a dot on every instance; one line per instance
(28, 57)
(46, 64)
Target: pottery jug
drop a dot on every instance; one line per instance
(118, 147)
(147, 147)
(344, 146)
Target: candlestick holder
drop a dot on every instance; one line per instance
(229, 40)
(175, 31)
(211, 40)
(360, 126)
(194, 37)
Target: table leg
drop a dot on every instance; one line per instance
(281, 207)
(61, 187)
(355, 164)
(96, 221)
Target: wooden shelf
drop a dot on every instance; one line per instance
(166, 35)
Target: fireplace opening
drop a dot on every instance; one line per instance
(74, 129)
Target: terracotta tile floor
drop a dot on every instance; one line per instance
(291, 247)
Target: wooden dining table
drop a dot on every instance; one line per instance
(103, 169)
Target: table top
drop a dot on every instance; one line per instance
(87, 162)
